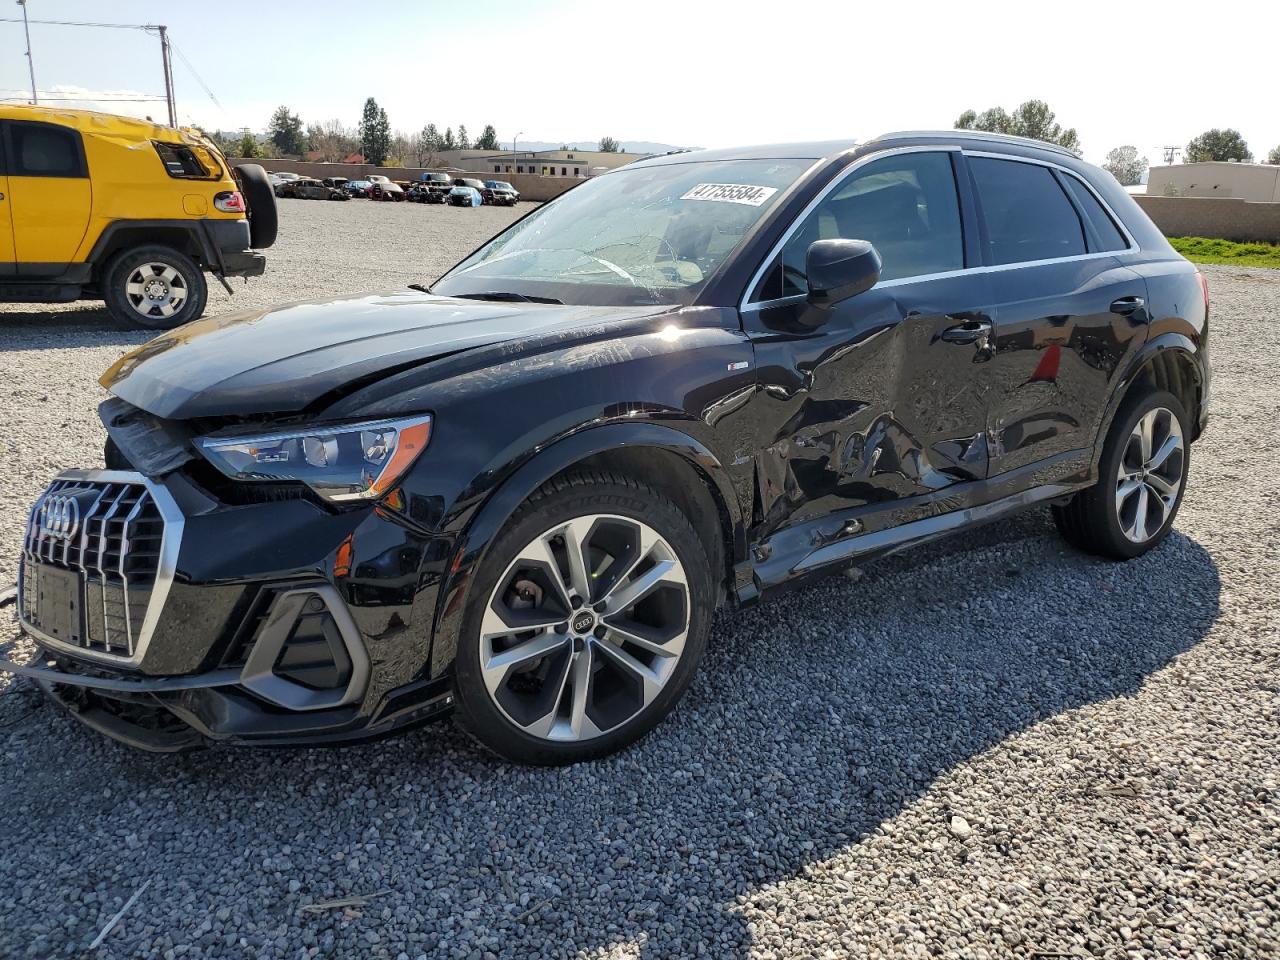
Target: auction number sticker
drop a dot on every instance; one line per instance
(731, 193)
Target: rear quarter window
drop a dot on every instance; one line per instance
(1106, 235)
(182, 162)
(1028, 216)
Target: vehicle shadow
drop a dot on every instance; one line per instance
(69, 325)
(815, 719)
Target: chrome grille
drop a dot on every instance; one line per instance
(111, 534)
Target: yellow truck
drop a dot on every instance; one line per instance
(95, 206)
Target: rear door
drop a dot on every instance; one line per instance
(1066, 310)
(49, 197)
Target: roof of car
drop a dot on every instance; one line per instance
(770, 151)
(88, 120)
(965, 137)
(826, 149)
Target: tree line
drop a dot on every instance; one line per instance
(1034, 119)
(334, 141)
(373, 138)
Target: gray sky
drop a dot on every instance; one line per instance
(686, 72)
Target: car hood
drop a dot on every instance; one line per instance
(285, 359)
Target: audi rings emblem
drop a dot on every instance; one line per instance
(60, 517)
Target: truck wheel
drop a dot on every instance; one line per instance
(154, 287)
(585, 622)
(261, 201)
(1141, 478)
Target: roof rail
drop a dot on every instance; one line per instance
(980, 135)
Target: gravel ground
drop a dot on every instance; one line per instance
(995, 748)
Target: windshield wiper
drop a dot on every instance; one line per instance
(508, 295)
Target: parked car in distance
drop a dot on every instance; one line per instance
(500, 193)
(339, 182)
(357, 188)
(309, 189)
(419, 193)
(282, 179)
(385, 190)
(437, 186)
(110, 208)
(521, 495)
(464, 196)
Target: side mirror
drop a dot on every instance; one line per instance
(840, 269)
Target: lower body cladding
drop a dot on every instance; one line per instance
(167, 618)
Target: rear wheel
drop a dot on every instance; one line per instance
(154, 287)
(1142, 477)
(585, 623)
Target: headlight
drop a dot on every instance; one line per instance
(356, 461)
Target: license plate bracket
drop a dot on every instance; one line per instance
(58, 605)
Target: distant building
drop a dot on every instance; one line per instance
(1258, 182)
(545, 163)
(460, 159)
(558, 163)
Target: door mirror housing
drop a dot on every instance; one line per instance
(840, 269)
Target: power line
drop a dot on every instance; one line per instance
(92, 99)
(200, 80)
(82, 23)
(166, 44)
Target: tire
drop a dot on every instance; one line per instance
(264, 223)
(127, 288)
(582, 697)
(1135, 501)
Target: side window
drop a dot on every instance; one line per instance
(1107, 234)
(906, 205)
(1028, 216)
(44, 150)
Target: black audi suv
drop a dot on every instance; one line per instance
(519, 495)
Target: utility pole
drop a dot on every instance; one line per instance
(168, 75)
(514, 141)
(1171, 154)
(31, 64)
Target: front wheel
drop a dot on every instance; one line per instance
(154, 287)
(1142, 477)
(585, 623)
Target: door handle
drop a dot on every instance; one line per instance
(970, 331)
(1127, 306)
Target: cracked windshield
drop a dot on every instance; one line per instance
(645, 235)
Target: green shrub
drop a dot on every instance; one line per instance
(1208, 250)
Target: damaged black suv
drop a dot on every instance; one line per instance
(519, 496)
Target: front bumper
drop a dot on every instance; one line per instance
(270, 622)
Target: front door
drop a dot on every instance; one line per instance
(1066, 311)
(880, 402)
(49, 197)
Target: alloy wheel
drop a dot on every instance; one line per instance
(156, 290)
(1150, 476)
(585, 627)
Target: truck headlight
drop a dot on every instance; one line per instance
(342, 462)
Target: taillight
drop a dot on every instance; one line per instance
(1204, 288)
(230, 201)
